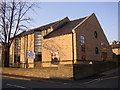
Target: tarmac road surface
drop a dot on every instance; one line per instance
(109, 79)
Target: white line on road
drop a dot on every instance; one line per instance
(18, 86)
(108, 78)
(100, 79)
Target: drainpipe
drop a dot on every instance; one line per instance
(73, 31)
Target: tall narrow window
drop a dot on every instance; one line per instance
(38, 42)
(95, 34)
(82, 40)
(96, 50)
(82, 43)
(38, 46)
(17, 50)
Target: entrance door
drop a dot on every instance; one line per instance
(38, 61)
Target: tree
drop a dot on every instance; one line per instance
(12, 21)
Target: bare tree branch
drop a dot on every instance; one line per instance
(13, 13)
(12, 21)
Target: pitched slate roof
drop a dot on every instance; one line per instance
(65, 29)
(41, 28)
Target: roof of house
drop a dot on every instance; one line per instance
(61, 27)
(41, 28)
(64, 29)
(115, 44)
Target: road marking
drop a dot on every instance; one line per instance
(100, 79)
(108, 78)
(15, 77)
(18, 86)
(88, 82)
(66, 83)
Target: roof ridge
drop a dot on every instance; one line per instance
(51, 23)
(84, 19)
(74, 24)
(79, 19)
(32, 30)
(62, 20)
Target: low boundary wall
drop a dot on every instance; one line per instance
(62, 72)
(84, 69)
(76, 71)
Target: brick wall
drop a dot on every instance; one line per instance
(85, 69)
(77, 71)
(87, 29)
(63, 72)
(61, 44)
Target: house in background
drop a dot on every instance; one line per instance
(115, 45)
(74, 42)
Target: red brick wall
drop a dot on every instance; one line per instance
(87, 29)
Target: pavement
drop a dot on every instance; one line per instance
(108, 79)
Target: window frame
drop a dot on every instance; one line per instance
(38, 42)
(82, 43)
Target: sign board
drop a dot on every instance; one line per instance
(31, 55)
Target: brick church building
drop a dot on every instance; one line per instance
(76, 41)
(63, 42)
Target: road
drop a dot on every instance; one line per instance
(30, 85)
(108, 79)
